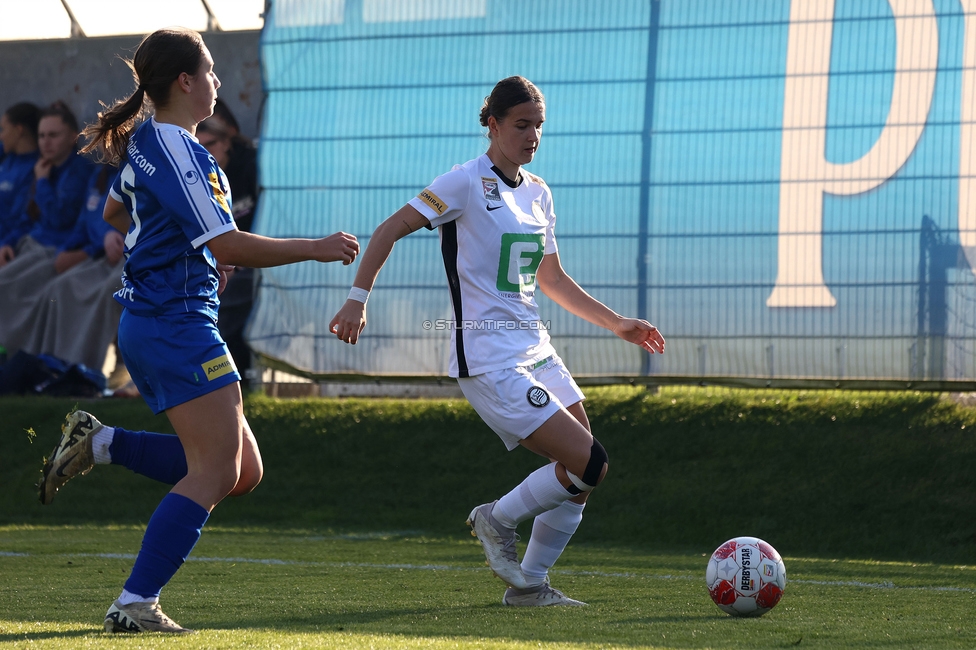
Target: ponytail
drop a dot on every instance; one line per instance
(158, 62)
(109, 137)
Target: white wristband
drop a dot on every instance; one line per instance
(359, 295)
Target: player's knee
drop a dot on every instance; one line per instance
(595, 470)
(255, 476)
(249, 479)
(224, 480)
(244, 486)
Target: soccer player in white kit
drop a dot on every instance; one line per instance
(496, 225)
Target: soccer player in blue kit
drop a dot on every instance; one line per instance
(174, 204)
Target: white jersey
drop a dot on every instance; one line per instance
(493, 236)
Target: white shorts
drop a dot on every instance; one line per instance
(516, 401)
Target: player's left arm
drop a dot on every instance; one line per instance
(563, 290)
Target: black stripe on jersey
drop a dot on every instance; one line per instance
(505, 179)
(449, 249)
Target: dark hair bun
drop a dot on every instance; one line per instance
(485, 113)
(507, 93)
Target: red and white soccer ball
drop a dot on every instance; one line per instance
(746, 577)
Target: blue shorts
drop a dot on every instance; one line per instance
(173, 359)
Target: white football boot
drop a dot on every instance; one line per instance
(499, 545)
(539, 596)
(73, 455)
(140, 617)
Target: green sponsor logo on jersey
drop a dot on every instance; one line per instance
(520, 257)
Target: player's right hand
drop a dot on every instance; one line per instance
(349, 322)
(114, 245)
(340, 247)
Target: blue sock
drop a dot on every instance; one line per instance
(171, 534)
(156, 455)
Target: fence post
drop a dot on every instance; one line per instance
(644, 208)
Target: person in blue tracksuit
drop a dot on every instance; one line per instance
(18, 135)
(59, 184)
(174, 204)
(76, 317)
(46, 220)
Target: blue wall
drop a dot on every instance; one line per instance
(664, 146)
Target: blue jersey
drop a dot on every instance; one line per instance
(178, 199)
(16, 178)
(59, 198)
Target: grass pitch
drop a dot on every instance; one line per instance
(870, 498)
(884, 476)
(260, 588)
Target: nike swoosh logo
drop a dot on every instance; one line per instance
(59, 471)
(492, 208)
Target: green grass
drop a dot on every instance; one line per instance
(858, 491)
(871, 475)
(405, 591)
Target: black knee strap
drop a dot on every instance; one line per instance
(591, 474)
(598, 458)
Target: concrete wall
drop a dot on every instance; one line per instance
(84, 71)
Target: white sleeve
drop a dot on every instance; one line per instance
(550, 225)
(445, 198)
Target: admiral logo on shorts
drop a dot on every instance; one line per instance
(433, 201)
(218, 367)
(537, 396)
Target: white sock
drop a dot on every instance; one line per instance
(127, 598)
(551, 532)
(539, 492)
(101, 441)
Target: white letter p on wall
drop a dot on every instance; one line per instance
(805, 173)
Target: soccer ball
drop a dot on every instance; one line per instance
(745, 577)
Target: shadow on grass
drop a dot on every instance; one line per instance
(30, 637)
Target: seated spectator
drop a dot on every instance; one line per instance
(76, 317)
(18, 136)
(27, 252)
(60, 177)
(235, 155)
